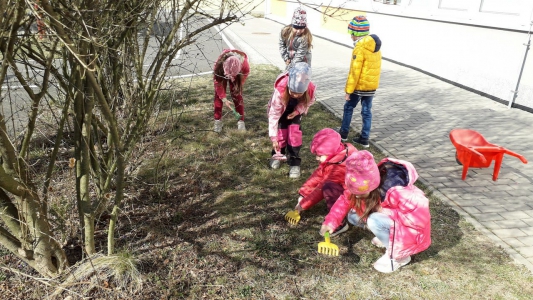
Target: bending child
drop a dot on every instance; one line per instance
(231, 67)
(295, 40)
(383, 197)
(293, 94)
(327, 181)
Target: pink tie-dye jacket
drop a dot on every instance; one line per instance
(408, 208)
(276, 108)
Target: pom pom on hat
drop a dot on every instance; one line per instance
(326, 142)
(232, 67)
(362, 173)
(359, 26)
(299, 77)
(299, 18)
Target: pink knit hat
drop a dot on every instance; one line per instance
(299, 18)
(362, 174)
(326, 142)
(232, 67)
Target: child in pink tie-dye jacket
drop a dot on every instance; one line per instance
(383, 197)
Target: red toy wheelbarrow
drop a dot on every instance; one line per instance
(474, 151)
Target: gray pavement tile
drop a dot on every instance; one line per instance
(492, 225)
(505, 233)
(494, 209)
(526, 241)
(472, 210)
(519, 242)
(486, 217)
(525, 251)
(519, 209)
(528, 230)
(516, 223)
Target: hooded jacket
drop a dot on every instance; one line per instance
(365, 67)
(276, 108)
(408, 208)
(220, 83)
(333, 169)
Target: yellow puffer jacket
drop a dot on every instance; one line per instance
(365, 67)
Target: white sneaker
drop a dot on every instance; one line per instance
(294, 172)
(376, 242)
(241, 126)
(218, 125)
(385, 265)
(274, 163)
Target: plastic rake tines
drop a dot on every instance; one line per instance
(327, 247)
(293, 217)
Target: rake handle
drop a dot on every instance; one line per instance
(326, 237)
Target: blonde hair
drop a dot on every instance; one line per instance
(287, 34)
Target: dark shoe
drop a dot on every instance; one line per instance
(342, 228)
(344, 135)
(361, 141)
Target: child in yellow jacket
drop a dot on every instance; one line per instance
(363, 78)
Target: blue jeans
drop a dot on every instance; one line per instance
(366, 115)
(378, 223)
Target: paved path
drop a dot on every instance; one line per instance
(413, 114)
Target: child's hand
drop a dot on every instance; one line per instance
(347, 97)
(293, 114)
(326, 228)
(276, 147)
(298, 208)
(287, 62)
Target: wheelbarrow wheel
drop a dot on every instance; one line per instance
(457, 159)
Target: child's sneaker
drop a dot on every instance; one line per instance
(274, 163)
(361, 141)
(344, 136)
(342, 228)
(241, 126)
(294, 172)
(218, 125)
(376, 242)
(384, 264)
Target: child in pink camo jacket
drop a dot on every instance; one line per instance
(327, 181)
(293, 94)
(384, 197)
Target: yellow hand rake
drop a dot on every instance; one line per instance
(293, 217)
(327, 247)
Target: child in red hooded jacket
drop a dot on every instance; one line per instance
(327, 181)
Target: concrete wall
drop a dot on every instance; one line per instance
(478, 44)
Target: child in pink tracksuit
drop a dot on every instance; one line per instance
(384, 197)
(327, 181)
(293, 94)
(231, 67)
